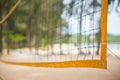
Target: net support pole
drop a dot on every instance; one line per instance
(103, 24)
(10, 12)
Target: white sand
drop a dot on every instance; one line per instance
(13, 72)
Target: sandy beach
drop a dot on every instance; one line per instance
(15, 72)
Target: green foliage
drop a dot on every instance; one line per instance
(17, 37)
(21, 27)
(113, 38)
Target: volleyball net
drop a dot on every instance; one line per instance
(54, 34)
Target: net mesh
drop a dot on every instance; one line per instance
(57, 31)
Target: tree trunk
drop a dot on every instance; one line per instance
(80, 29)
(28, 34)
(10, 25)
(0, 29)
(8, 35)
(1, 46)
(52, 40)
(61, 52)
(98, 39)
(38, 27)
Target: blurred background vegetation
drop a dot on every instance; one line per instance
(35, 17)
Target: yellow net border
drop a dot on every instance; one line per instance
(102, 63)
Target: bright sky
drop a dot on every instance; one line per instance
(113, 21)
